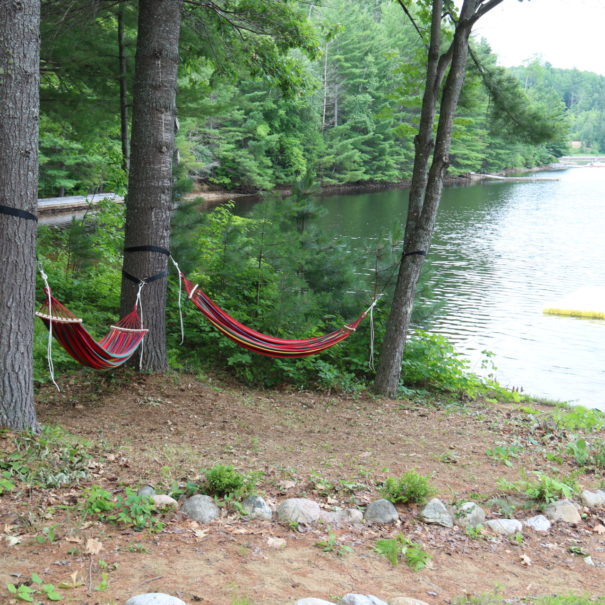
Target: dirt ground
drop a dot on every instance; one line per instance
(163, 430)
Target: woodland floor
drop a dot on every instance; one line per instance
(334, 449)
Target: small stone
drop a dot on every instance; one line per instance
(406, 601)
(154, 598)
(313, 601)
(470, 514)
(588, 560)
(164, 501)
(592, 499)
(563, 510)
(298, 510)
(146, 490)
(257, 508)
(381, 511)
(360, 599)
(201, 508)
(505, 527)
(436, 512)
(538, 523)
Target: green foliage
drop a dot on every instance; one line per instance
(6, 485)
(51, 459)
(332, 544)
(411, 487)
(29, 592)
(503, 453)
(579, 418)
(224, 481)
(400, 547)
(586, 453)
(544, 488)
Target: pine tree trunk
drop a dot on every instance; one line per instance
(149, 198)
(123, 81)
(19, 107)
(427, 185)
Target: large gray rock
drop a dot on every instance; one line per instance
(146, 490)
(256, 508)
(381, 511)
(298, 510)
(505, 527)
(164, 501)
(563, 510)
(360, 599)
(154, 598)
(349, 516)
(313, 601)
(406, 601)
(201, 508)
(436, 512)
(592, 499)
(538, 523)
(470, 514)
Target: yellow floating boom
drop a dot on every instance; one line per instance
(588, 302)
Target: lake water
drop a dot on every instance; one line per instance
(502, 252)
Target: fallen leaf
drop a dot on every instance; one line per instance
(200, 533)
(12, 540)
(525, 560)
(93, 546)
(273, 542)
(599, 529)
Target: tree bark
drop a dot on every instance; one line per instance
(430, 165)
(19, 108)
(123, 81)
(149, 199)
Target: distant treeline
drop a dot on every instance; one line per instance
(341, 106)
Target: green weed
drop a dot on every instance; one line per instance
(222, 480)
(503, 453)
(331, 544)
(410, 487)
(30, 591)
(544, 489)
(400, 547)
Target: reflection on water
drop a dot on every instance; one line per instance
(501, 253)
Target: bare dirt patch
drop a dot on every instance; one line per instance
(163, 430)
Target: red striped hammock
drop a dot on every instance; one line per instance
(256, 341)
(116, 348)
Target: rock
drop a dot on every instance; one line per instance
(588, 560)
(164, 501)
(592, 499)
(298, 510)
(360, 599)
(436, 512)
(154, 598)
(470, 514)
(563, 510)
(313, 601)
(406, 601)
(381, 511)
(351, 516)
(201, 508)
(505, 527)
(146, 490)
(257, 508)
(538, 523)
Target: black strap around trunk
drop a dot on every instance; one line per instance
(415, 252)
(147, 248)
(147, 280)
(18, 212)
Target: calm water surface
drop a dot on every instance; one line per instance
(501, 253)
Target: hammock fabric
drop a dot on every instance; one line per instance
(262, 343)
(112, 351)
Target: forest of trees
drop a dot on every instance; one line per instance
(341, 106)
(270, 94)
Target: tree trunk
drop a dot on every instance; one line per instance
(430, 165)
(149, 198)
(19, 108)
(123, 81)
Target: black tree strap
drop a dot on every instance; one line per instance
(415, 252)
(147, 248)
(147, 280)
(17, 212)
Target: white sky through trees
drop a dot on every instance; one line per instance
(564, 33)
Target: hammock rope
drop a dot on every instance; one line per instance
(258, 342)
